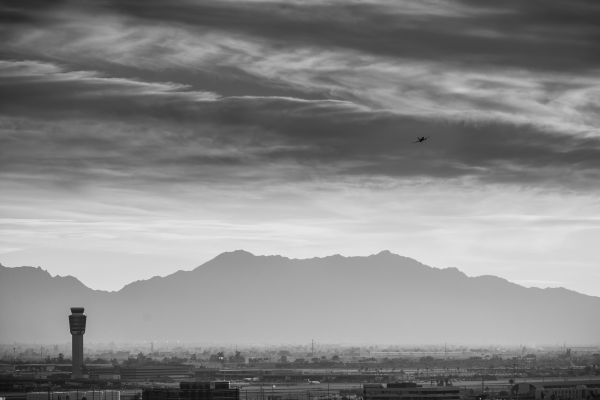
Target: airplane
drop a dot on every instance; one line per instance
(313, 382)
(421, 139)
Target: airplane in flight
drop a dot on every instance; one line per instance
(421, 139)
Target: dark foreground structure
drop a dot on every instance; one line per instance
(409, 391)
(575, 389)
(194, 391)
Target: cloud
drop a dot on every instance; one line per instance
(214, 56)
(83, 126)
(507, 33)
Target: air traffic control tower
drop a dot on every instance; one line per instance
(77, 324)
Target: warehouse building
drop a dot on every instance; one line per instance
(576, 389)
(219, 390)
(409, 391)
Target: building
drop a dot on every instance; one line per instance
(75, 395)
(77, 321)
(156, 373)
(409, 391)
(572, 389)
(102, 372)
(219, 390)
(194, 391)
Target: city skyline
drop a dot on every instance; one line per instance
(141, 138)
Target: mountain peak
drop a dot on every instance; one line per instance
(236, 254)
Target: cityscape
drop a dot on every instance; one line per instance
(163, 370)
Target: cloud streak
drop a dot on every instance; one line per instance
(204, 129)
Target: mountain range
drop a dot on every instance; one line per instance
(238, 297)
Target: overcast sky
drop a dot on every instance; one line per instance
(138, 137)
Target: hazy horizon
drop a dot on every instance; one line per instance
(165, 346)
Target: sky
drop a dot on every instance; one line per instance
(139, 137)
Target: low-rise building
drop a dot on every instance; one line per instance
(572, 389)
(409, 391)
(219, 390)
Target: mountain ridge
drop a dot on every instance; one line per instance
(241, 297)
(279, 257)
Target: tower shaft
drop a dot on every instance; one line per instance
(77, 356)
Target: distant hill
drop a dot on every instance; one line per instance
(241, 298)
